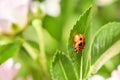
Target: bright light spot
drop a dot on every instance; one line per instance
(104, 2)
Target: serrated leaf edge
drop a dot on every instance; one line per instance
(54, 57)
(75, 27)
(92, 69)
(79, 19)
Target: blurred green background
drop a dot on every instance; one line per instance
(56, 32)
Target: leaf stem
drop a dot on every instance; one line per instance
(37, 24)
(81, 68)
(30, 50)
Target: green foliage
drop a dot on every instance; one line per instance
(7, 51)
(100, 46)
(105, 44)
(34, 46)
(82, 27)
(110, 34)
(62, 68)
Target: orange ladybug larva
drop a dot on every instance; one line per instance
(79, 42)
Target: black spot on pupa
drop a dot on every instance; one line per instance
(80, 44)
(80, 38)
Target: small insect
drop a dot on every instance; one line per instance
(79, 42)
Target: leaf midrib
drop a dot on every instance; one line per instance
(109, 53)
(63, 70)
(97, 34)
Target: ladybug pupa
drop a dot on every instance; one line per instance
(79, 42)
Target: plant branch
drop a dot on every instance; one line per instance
(30, 50)
(37, 24)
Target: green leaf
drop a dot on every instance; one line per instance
(7, 51)
(105, 45)
(82, 27)
(62, 68)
